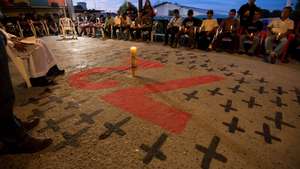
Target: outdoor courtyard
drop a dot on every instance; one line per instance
(185, 109)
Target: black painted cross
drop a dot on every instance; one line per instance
(228, 74)
(233, 65)
(278, 102)
(262, 80)
(233, 126)
(251, 102)
(228, 107)
(37, 113)
(210, 153)
(210, 70)
(88, 118)
(56, 99)
(223, 69)
(207, 61)
(297, 100)
(190, 96)
(204, 65)
(33, 100)
(154, 150)
(279, 121)
(242, 80)
(75, 105)
(70, 139)
(236, 89)
(280, 91)
(179, 63)
(215, 91)
(267, 134)
(192, 62)
(114, 128)
(54, 125)
(297, 91)
(192, 67)
(247, 72)
(261, 90)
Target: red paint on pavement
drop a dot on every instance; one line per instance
(80, 80)
(135, 100)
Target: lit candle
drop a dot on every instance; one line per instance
(133, 51)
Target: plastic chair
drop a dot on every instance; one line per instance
(66, 24)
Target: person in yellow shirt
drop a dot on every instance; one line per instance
(206, 31)
(279, 29)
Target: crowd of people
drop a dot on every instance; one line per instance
(242, 31)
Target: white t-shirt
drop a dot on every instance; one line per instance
(280, 26)
(209, 24)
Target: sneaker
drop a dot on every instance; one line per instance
(41, 82)
(55, 71)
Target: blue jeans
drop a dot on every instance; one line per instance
(270, 42)
(10, 128)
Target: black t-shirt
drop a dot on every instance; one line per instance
(255, 27)
(190, 22)
(247, 19)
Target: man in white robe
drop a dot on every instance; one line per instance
(39, 60)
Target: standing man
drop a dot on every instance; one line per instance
(246, 13)
(12, 131)
(173, 27)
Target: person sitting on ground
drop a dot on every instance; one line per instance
(13, 132)
(136, 27)
(228, 29)
(279, 29)
(189, 25)
(125, 26)
(207, 31)
(173, 27)
(42, 64)
(252, 32)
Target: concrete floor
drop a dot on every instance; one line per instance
(175, 120)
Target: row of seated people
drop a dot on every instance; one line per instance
(229, 34)
(120, 26)
(26, 25)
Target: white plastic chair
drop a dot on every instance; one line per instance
(66, 24)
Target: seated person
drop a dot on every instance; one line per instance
(294, 47)
(207, 31)
(36, 21)
(173, 27)
(91, 25)
(41, 62)
(24, 26)
(251, 32)
(53, 28)
(228, 29)
(188, 27)
(279, 29)
(136, 26)
(117, 25)
(99, 26)
(125, 26)
(109, 22)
